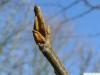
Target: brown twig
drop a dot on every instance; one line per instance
(41, 35)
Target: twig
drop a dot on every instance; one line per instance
(41, 35)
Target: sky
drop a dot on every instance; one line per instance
(86, 27)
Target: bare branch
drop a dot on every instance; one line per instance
(3, 2)
(63, 10)
(87, 3)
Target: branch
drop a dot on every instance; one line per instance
(41, 35)
(3, 2)
(78, 16)
(87, 3)
(63, 10)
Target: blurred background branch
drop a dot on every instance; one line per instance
(18, 52)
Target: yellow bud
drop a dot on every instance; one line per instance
(41, 22)
(37, 10)
(48, 29)
(38, 37)
(36, 25)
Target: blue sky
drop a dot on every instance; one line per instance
(88, 24)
